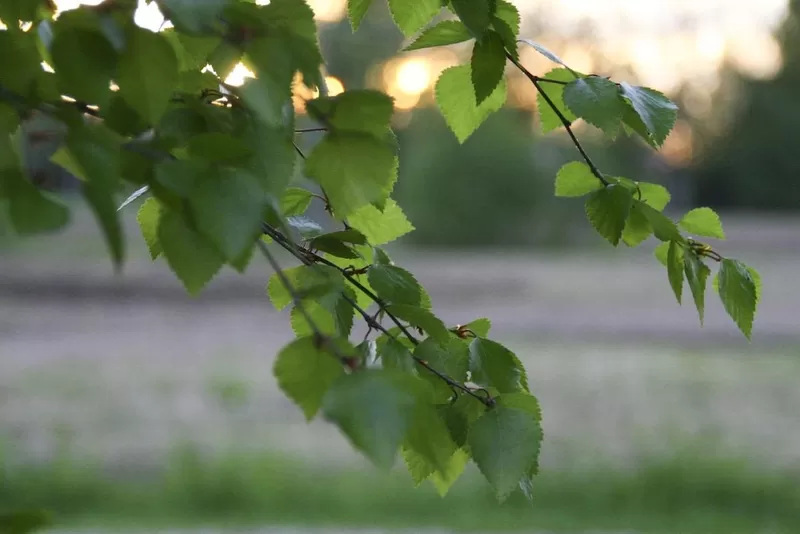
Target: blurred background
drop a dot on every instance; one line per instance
(125, 405)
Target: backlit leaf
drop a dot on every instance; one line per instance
(475, 14)
(456, 99)
(704, 222)
(381, 227)
(444, 33)
(148, 217)
(193, 259)
(395, 285)
(575, 179)
(411, 15)
(653, 114)
(356, 10)
(597, 101)
(548, 118)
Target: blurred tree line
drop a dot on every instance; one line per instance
(751, 163)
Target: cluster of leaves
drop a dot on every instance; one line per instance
(122, 107)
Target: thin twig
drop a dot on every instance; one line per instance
(309, 130)
(298, 302)
(310, 258)
(564, 120)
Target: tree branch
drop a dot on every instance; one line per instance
(535, 80)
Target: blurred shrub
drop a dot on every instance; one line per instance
(490, 185)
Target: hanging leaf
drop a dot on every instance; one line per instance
(455, 96)
(739, 293)
(608, 209)
(444, 33)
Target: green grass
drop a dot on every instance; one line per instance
(688, 494)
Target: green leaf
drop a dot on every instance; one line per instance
(653, 114)
(493, 365)
(31, 212)
(194, 16)
(575, 179)
(24, 10)
(24, 521)
(697, 274)
(353, 169)
(336, 244)
(608, 209)
(506, 23)
(703, 221)
(443, 480)
(461, 415)
(21, 64)
(663, 227)
(522, 401)
(453, 361)
(356, 10)
(193, 259)
(654, 195)
(101, 200)
(355, 111)
(305, 370)
(224, 58)
(148, 217)
(549, 118)
(333, 319)
(480, 327)
(456, 98)
(295, 201)
(310, 282)
(637, 227)
(475, 14)
(753, 274)
(193, 52)
(394, 355)
(421, 318)
(738, 291)
(444, 33)
(675, 268)
(487, 65)
(411, 16)
(373, 408)
(84, 62)
(381, 227)
(661, 252)
(429, 438)
(395, 285)
(227, 208)
(597, 101)
(147, 73)
(218, 147)
(505, 444)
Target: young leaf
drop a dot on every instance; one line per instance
(295, 201)
(654, 195)
(487, 65)
(356, 10)
(373, 408)
(189, 255)
(637, 227)
(493, 365)
(739, 293)
(608, 209)
(147, 217)
(575, 179)
(227, 208)
(661, 252)
(395, 285)
(654, 114)
(753, 274)
(663, 227)
(456, 98)
(596, 100)
(675, 268)
(381, 227)
(147, 73)
(475, 14)
(410, 17)
(480, 327)
(505, 444)
(703, 221)
(549, 55)
(444, 33)
(697, 274)
(84, 62)
(443, 480)
(549, 118)
(305, 370)
(310, 282)
(354, 169)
